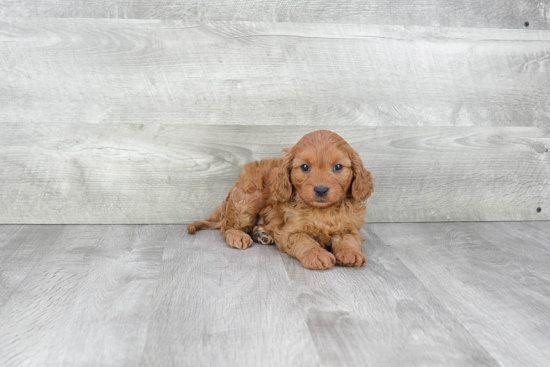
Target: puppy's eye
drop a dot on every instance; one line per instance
(338, 167)
(305, 167)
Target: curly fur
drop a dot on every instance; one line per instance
(318, 231)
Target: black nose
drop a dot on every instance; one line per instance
(321, 191)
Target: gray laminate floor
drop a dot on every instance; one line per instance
(432, 294)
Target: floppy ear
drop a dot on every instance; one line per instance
(363, 183)
(279, 179)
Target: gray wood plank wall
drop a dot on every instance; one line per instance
(148, 120)
(129, 173)
(446, 13)
(80, 70)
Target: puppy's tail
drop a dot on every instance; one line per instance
(215, 221)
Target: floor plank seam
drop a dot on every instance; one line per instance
(296, 295)
(435, 299)
(18, 286)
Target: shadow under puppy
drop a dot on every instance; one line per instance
(311, 202)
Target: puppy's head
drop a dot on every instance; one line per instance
(323, 169)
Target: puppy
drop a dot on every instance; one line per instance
(311, 203)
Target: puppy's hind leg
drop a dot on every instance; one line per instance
(260, 235)
(241, 214)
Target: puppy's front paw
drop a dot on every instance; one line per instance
(318, 259)
(347, 256)
(238, 239)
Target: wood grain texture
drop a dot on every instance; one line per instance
(529, 242)
(490, 290)
(185, 72)
(21, 249)
(86, 301)
(218, 306)
(125, 173)
(380, 315)
(453, 13)
(453, 294)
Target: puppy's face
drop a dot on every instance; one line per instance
(323, 169)
(321, 175)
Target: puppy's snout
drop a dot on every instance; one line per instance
(321, 191)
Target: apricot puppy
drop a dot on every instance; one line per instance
(311, 203)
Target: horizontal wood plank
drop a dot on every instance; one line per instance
(130, 173)
(454, 13)
(243, 73)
